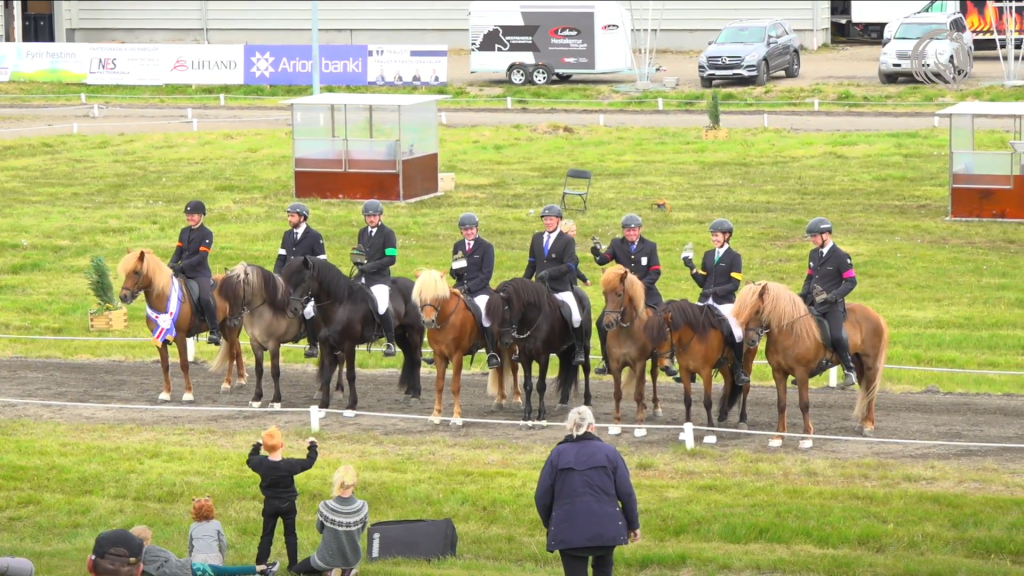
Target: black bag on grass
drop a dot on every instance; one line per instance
(419, 539)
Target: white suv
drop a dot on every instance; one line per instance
(895, 60)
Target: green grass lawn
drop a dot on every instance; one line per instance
(704, 512)
(833, 96)
(950, 292)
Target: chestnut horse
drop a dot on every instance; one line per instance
(795, 348)
(146, 274)
(624, 317)
(452, 332)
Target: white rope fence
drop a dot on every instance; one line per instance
(193, 121)
(316, 414)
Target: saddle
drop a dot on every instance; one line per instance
(192, 289)
(826, 334)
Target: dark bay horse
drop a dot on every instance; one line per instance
(146, 274)
(261, 299)
(452, 332)
(795, 348)
(527, 314)
(344, 308)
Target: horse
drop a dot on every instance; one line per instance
(625, 316)
(345, 310)
(261, 300)
(795, 348)
(146, 274)
(520, 303)
(699, 347)
(452, 332)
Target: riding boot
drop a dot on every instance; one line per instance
(388, 324)
(741, 378)
(210, 311)
(493, 360)
(311, 336)
(602, 337)
(849, 373)
(580, 337)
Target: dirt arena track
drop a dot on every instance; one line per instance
(967, 418)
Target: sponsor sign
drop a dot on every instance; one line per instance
(131, 64)
(286, 64)
(203, 64)
(564, 40)
(394, 65)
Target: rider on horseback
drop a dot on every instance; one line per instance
(381, 250)
(472, 267)
(719, 276)
(551, 258)
(297, 242)
(190, 260)
(638, 255)
(830, 278)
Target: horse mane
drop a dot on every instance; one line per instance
(523, 292)
(686, 313)
(430, 287)
(634, 288)
(152, 267)
(258, 281)
(778, 307)
(331, 279)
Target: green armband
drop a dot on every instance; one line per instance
(391, 252)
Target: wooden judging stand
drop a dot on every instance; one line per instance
(983, 184)
(361, 146)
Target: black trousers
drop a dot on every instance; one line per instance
(834, 316)
(306, 567)
(207, 302)
(286, 511)
(576, 560)
(602, 335)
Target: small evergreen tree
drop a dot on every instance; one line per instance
(98, 277)
(714, 113)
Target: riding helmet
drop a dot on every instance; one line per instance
(373, 208)
(468, 220)
(819, 225)
(551, 210)
(195, 207)
(298, 208)
(631, 221)
(721, 225)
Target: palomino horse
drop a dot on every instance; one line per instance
(528, 314)
(261, 299)
(452, 332)
(345, 310)
(144, 273)
(625, 316)
(699, 348)
(795, 348)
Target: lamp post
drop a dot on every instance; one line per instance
(316, 49)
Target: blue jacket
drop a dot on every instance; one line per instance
(579, 494)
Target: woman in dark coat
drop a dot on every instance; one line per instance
(586, 500)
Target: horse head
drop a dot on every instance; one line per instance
(298, 277)
(500, 313)
(623, 294)
(747, 311)
(142, 272)
(430, 292)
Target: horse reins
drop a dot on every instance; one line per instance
(437, 312)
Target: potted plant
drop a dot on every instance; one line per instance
(714, 130)
(107, 313)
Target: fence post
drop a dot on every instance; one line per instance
(221, 99)
(314, 418)
(74, 128)
(508, 102)
(444, 120)
(190, 349)
(766, 120)
(833, 377)
(661, 105)
(600, 119)
(83, 97)
(686, 436)
(195, 125)
(815, 104)
(189, 113)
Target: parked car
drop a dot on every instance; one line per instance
(750, 50)
(895, 59)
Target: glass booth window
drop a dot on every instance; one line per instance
(419, 129)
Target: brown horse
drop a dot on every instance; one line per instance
(452, 332)
(145, 273)
(795, 348)
(625, 317)
(699, 348)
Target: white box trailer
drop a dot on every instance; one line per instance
(531, 42)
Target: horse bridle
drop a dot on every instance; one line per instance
(512, 325)
(437, 314)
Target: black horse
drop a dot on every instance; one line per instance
(527, 313)
(345, 310)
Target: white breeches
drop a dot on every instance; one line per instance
(569, 299)
(481, 301)
(307, 313)
(726, 309)
(382, 293)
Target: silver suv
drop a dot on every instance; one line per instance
(750, 50)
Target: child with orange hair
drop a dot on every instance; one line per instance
(207, 543)
(277, 483)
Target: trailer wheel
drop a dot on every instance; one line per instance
(518, 75)
(563, 77)
(540, 75)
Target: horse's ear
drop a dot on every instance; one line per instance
(417, 273)
(443, 272)
(760, 293)
(307, 262)
(127, 250)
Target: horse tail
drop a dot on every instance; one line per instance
(873, 377)
(735, 392)
(655, 330)
(568, 373)
(225, 355)
(628, 382)
(499, 375)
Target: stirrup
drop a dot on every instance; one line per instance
(389, 349)
(579, 358)
(493, 361)
(311, 351)
(849, 380)
(213, 338)
(602, 368)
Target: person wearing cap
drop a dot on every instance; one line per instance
(472, 268)
(638, 255)
(719, 277)
(116, 553)
(299, 241)
(380, 248)
(551, 258)
(191, 260)
(830, 279)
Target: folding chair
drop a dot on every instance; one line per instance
(578, 177)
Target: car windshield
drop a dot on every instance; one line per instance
(741, 35)
(910, 31)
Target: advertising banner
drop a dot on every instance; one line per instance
(216, 64)
(33, 62)
(402, 65)
(125, 64)
(287, 64)
(565, 38)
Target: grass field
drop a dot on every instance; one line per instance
(704, 512)
(831, 96)
(949, 291)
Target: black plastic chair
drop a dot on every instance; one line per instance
(577, 190)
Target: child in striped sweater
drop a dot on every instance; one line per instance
(341, 521)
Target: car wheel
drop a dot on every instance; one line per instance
(706, 82)
(794, 65)
(517, 75)
(762, 73)
(540, 75)
(886, 78)
(563, 77)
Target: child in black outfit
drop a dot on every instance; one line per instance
(277, 483)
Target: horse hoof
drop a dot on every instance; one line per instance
(539, 424)
(414, 402)
(775, 443)
(498, 406)
(187, 398)
(614, 430)
(524, 425)
(434, 420)
(457, 422)
(274, 405)
(658, 413)
(711, 439)
(741, 426)
(562, 408)
(639, 432)
(240, 384)
(868, 432)
(806, 444)
(164, 397)
(225, 389)
(254, 404)
(348, 413)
